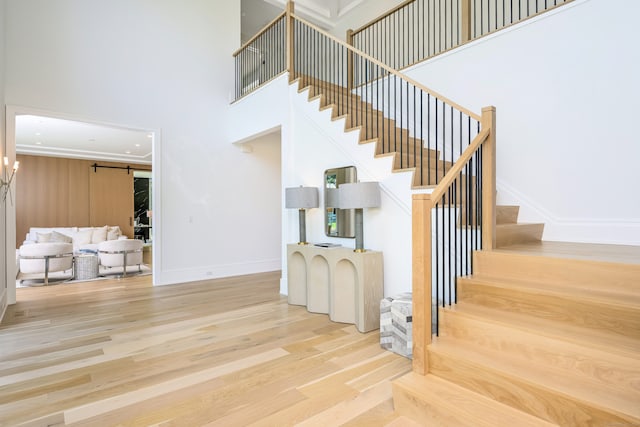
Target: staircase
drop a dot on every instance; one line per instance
(543, 333)
(540, 336)
(536, 338)
(389, 138)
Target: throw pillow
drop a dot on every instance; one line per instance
(82, 237)
(59, 237)
(99, 234)
(43, 237)
(113, 233)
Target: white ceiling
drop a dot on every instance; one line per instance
(46, 136)
(326, 13)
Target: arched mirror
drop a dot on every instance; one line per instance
(338, 222)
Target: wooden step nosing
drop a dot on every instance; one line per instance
(496, 365)
(428, 391)
(554, 329)
(535, 341)
(528, 287)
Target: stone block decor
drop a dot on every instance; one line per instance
(396, 324)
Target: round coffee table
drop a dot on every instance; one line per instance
(85, 266)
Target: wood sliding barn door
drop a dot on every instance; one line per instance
(111, 198)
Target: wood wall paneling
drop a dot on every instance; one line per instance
(55, 192)
(111, 198)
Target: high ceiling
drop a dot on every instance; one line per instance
(46, 136)
(325, 13)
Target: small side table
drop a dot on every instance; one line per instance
(338, 281)
(85, 267)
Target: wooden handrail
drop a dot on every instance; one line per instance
(465, 22)
(452, 174)
(384, 15)
(390, 70)
(259, 33)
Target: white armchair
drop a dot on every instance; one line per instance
(121, 253)
(46, 258)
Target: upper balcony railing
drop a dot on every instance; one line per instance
(419, 29)
(262, 58)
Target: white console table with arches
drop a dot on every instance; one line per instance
(344, 284)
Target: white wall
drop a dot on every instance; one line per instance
(166, 66)
(566, 90)
(312, 143)
(317, 143)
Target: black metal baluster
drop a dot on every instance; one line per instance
(445, 25)
(403, 60)
(422, 141)
(449, 213)
(429, 140)
(503, 12)
(442, 258)
(415, 136)
(436, 139)
(451, 135)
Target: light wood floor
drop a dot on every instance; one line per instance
(228, 352)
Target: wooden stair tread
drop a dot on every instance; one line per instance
(554, 380)
(450, 404)
(625, 346)
(605, 365)
(561, 306)
(625, 254)
(507, 214)
(509, 234)
(557, 269)
(622, 296)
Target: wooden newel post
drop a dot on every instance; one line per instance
(488, 121)
(290, 41)
(349, 41)
(465, 21)
(421, 286)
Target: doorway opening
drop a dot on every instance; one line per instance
(59, 154)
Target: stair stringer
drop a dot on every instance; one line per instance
(317, 142)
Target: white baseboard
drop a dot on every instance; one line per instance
(615, 231)
(171, 277)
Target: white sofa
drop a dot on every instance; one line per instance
(82, 238)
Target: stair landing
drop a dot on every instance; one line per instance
(585, 251)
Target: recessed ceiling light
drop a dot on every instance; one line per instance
(150, 135)
(38, 143)
(137, 145)
(127, 152)
(38, 134)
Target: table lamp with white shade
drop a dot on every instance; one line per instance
(301, 198)
(359, 195)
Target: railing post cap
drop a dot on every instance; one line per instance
(488, 108)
